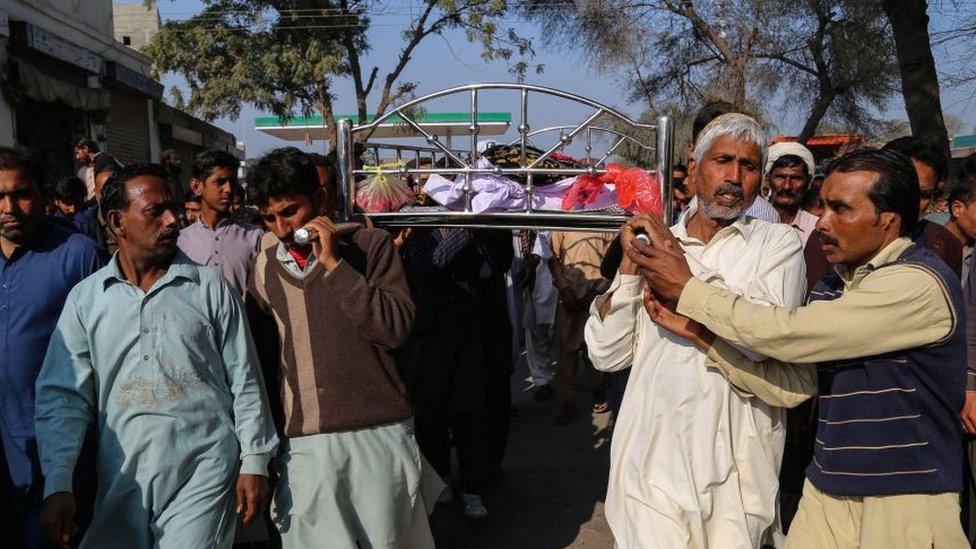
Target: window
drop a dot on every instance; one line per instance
(126, 40)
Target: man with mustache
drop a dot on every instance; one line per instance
(154, 351)
(40, 261)
(931, 167)
(759, 208)
(789, 169)
(695, 457)
(886, 334)
(217, 239)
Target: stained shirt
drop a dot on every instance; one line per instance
(694, 461)
(230, 248)
(170, 376)
(34, 282)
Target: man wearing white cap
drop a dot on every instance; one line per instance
(789, 169)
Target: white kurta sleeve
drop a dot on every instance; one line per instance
(611, 340)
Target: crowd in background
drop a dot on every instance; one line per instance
(174, 357)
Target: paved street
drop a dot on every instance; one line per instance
(555, 482)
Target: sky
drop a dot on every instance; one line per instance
(440, 63)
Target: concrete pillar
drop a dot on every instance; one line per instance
(155, 149)
(8, 124)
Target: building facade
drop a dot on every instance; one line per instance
(63, 75)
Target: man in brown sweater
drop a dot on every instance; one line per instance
(350, 471)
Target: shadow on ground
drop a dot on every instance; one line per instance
(553, 490)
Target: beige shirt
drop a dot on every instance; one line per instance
(576, 258)
(694, 462)
(881, 311)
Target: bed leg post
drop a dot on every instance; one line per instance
(663, 165)
(346, 184)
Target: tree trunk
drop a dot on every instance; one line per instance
(817, 113)
(919, 82)
(324, 105)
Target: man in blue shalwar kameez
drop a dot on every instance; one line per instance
(155, 351)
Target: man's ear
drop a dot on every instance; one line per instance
(956, 208)
(196, 186)
(114, 222)
(888, 220)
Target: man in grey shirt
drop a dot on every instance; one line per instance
(216, 239)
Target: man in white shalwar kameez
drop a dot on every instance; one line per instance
(695, 459)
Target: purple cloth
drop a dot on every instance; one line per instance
(230, 249)
(498, 193)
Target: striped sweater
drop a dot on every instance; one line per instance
(889, 424)
(336, 331)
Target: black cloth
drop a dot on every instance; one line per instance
(612, 259)
(445, 378)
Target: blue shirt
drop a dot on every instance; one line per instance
(34, 283)
(169, 376)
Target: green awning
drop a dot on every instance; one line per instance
(436, 123)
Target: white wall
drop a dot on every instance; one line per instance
(94, 14)
(84, 23)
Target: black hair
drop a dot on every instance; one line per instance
(282, 171)
(710, 111)
(923, 151)
(105, 162)
(205, 162)
(69, 189)
(114, 195)
(963, 186)
(86, 143)
(327, 161)
(896, 189)
(238, 191)
(15, 159)
(190, 196)
(679, 167)
(791, 161)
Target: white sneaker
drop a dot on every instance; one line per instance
(447, 496)
(473, 507)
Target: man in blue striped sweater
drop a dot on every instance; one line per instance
(886, 331)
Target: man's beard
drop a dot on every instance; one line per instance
(714, 210)
(20, 234)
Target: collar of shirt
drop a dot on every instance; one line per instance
(805, 220)
(222, 223)
(181, 267)
(887, 254)
(289, 262)
(742, 225)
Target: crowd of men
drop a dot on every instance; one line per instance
(790, 363)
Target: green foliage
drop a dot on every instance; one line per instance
(830, 58)
(284, 56)
(239, 52)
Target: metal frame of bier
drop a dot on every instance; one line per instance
(529, 217)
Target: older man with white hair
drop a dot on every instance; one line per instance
(699, 437)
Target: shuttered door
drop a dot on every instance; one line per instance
(127, 128)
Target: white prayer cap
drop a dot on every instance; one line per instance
(780, 150)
